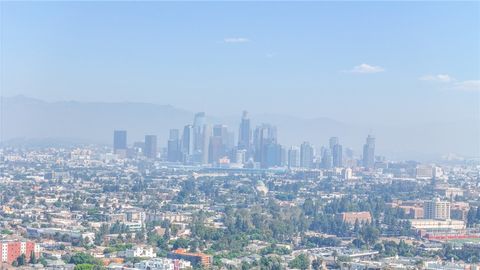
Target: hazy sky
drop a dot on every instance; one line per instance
(364, 62)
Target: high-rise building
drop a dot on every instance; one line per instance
(327, 160)
(216, 149)
(369, 152)
(220, 131)
(264, 134)
(424, 172)
(199, 122)
(230, 141)
(283, 156)
(244, 133)
(306, 155)
(207, 133)
(436, 209)
(293, 157)
(337, 155)
(119, 141)
(271, 155)
(187, 142)
(437, 172)
(174, 152)
(332, 142)
(150, 149)
(347, 174)
(174, 134)
(10, 250)
(240, 156)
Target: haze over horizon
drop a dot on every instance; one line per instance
(93, 122)
(401, 67)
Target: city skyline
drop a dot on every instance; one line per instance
(251, 147)
(34, 121)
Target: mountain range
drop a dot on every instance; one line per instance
(27, 120)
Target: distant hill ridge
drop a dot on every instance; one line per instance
(29, 118)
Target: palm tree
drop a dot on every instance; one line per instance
(335, 255)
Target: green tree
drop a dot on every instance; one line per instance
(316, 264)
(43, 261)
(308, 207)
(193, 246)
(33, 258)
(84, 266)
(335, 255)
(83, 258)
(21, 260)
(180, 243)
(471, 217)
(300, 262)
(270, 263)
(140, 236)
(370, 234)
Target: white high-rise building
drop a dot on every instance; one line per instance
(437, 172)
(436, 209)
(306, 155)
(347, 174)
(240, 156)
(293, 157)
(424, 172)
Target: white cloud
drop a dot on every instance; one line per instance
(236, 40)
(470, 85)
(366, 68)
(443, 78)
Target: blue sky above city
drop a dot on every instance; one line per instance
(350, 61)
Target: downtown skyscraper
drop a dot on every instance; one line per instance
(369, 152)
(187, 143)
(265, 145)
(120, 141)
(244, 133)
(337, 155)
(306, 155)
(337, 152)
(199, 122)
(332, 142)
(174, 152)
(293, 157)
(150, 149)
